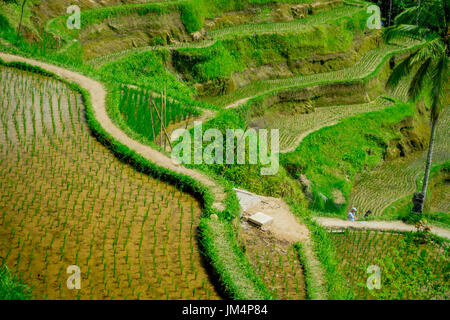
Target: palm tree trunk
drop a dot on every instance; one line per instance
(429, 161)
(21, 19)
(390, 13)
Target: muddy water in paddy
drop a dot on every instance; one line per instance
(66, 200)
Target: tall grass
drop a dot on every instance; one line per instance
(11, 288)
(143, 113)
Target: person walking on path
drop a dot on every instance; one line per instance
(352, 214)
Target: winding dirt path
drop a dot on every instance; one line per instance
(98, 98)
(298, 231)
(335, 223)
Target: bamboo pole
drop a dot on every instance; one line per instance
(165, 116)
(164, 129)
(153, 122)
(161, 118)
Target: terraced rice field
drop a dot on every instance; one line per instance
(366, 66)
(242, 30)
(441, 198)
(294, 128)
(66, 200)
(99, 61)
(357, 250)
(144, 113)
(377, 189)
(295, 25)
(276, 262)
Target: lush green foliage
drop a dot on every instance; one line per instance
(332, 156)
(147, 70)
(10, 287)
(417, 271)
(337, 286)
(401, 209)
(230, 55)
(366, 68)
(194, 12)
(410, 268)
(207, 63)
(136, 105)
(237, 277)
(247, 176)
(398, 6)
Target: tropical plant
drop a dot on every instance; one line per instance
(427, 66)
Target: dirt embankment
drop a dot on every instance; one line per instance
(48, 9)
(315, 63)
(415, 132)
(282, 64)
(132, 31)
(124, 32)
(269, 13)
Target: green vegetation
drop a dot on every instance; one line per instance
(333, 156)
(143, 113)
(362, 71)
(330, 158)
(207, 63)
(11, 288)
(311, 287)
(248, 176)
(227, 56)
(401, 209)
(427, 66)
(146, 70)
(337, 286)
(194, 12)
(237, 277)
(410, 268)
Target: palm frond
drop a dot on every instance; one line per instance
(431, 49)
(420, 79)
(416, 15)
(408, 16)
(437, 92)
(401, 71)
(405, 31)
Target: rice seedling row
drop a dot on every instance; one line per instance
(144, 114)
(294, 127)
(66, 200)
(357, 250)
(241, 30)
(377, 189)
(276, 262)
(278, 27)
(360, 70)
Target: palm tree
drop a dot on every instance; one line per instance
(390, 13)
(427, 66)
